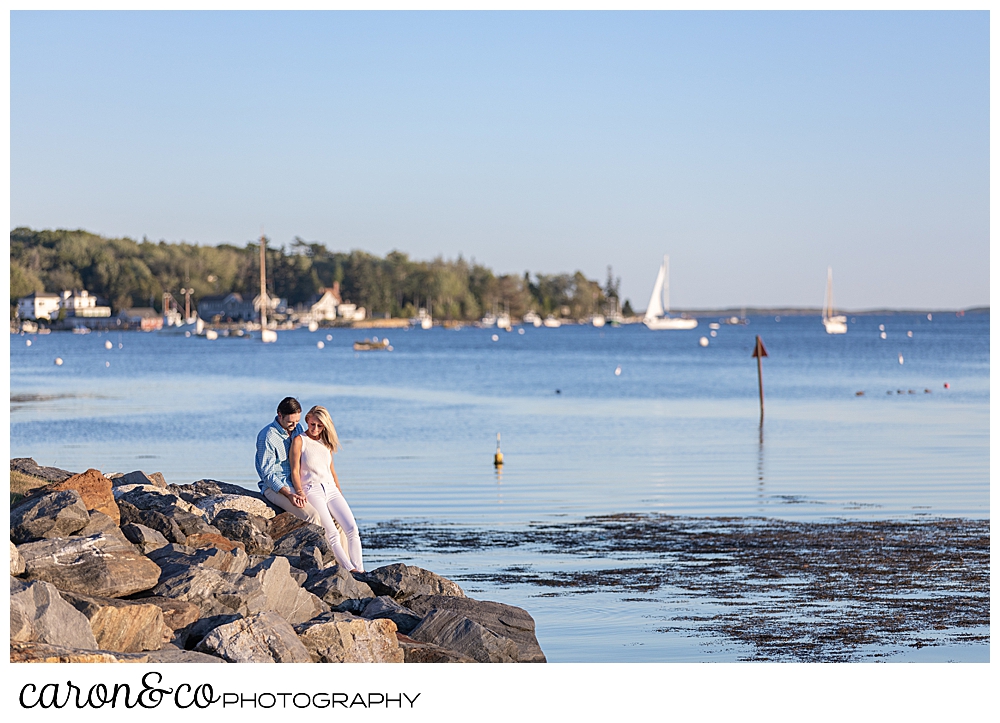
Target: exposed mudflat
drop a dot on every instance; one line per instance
(789, 590)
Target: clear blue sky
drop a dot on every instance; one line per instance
(755, 148)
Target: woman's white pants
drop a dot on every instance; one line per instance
(331, 505)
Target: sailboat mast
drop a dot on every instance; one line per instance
(666, 285)
(263, 294)
(828, 301)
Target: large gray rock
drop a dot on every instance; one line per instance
(106, 564)
(261, 638)
(302, 540)
(345, 638)
(175, 558)
(189, 636)
(203, 488)
(173, 654)
(28, 466)
(140, 478)
(456, 632)
(414, 652)
(507, 621)
(55, 514)
(38, 613)
(334, 585)
(157, 500)
(401, 582)
(176, 613)
(31, 652)
(242, 526)
(16, 561)
(214, 592)
(98, 522)
(215, 504)
(385, 607)
(122, 626)
(164, 524)
(191, 524)
(284, 596)
(146, 539)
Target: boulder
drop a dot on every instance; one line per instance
(414, 652)
(104, 564)
(176, 613)
(456, 632)
(385, 607)
(284, 596)
(214, 592)
(215, 504)
(345, 638)
(43, 653)
(28, 466)
(95, 489)
(16, 561)
(507, 621)
(260, 638)
(283, 523)
(152, 519)
(334, 585)
(174, 558)
(193, 524)
(140, 478)
(53, 514)
(146, 498)
(401, 581)
(98, 522)
(190, 635)
(173, 654)
(121, 625)
(145, 538)
(38, 613)
(242, 526)
(202, 540)
(203, 488)
(293, 544)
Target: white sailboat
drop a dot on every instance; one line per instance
(657, 311)
(266, 335)
(176, 325)
(833, 324)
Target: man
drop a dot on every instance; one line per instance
(271, 460)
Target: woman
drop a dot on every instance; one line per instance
(313, 475)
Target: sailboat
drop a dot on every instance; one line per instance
(657, 311)
(833, 324)
(176, 325)
(266, 335)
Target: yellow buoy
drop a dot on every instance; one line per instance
(498, 457)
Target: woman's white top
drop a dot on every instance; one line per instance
(314, 463)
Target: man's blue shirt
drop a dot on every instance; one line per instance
(272, 456)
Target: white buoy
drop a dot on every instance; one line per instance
(520, 331)
(58, 361)
(713, 334)
(27, 342)
(882, 335)
(900, 358)
(703, 341)
(618, 370)
(881, 327)
(495, 337)
(211, 334)
(108, 344)
(187, 334)
(909, 334)
(329, 337)
(928, 317)
(313, 326)
(107, 364)
(320, 345)
(119, 345)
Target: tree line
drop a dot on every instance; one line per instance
(128, 273)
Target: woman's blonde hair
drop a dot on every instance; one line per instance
(329, 434)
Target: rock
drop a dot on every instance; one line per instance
(215, 504)
(334, 585)
(173, 654)
(159, 500)
(241, 526)
(53, 514)
(28, 466)
(152, 519)
(95, 489)
(385, 607)
(177, 614)
(16, 561)
(293, 544)
(284, 596)
(141, 478)
(120, 490)
(507, 621)
(210, 539)
(193, 524)
(456, 632)
(190, 635)
(104, 564)
(98, 522)
(414, 652)
(214, 592)
(120, 625)
(283, 523)
(43, 653)
(174, 558)
(345, 638)
(208, 488)
(401, 581)
(38, 613)
(145, 538)
(261, 638)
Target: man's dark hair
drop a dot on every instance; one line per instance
(289, 405)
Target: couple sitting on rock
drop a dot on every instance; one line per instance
(295, 466)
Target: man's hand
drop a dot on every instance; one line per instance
(298, 500)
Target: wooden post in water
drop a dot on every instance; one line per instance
(760, 352)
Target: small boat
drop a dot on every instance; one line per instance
(834, 324)
(532, 318)
(372, 345)
(598, 320)
(657, 317)
(488, 320)
(503, 321)
(81, 330)
(551, 322)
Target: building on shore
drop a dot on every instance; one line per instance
(83, 305)
(143, 318)
(73, 304)
(39, 305)
(226, 307)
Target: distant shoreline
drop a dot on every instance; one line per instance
(818, 311)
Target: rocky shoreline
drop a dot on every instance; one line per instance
(129, 568)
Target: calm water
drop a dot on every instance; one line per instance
(675, 432)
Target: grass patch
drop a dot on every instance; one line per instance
(21, 485)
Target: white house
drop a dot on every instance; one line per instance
(82, 304)
(39, 305)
